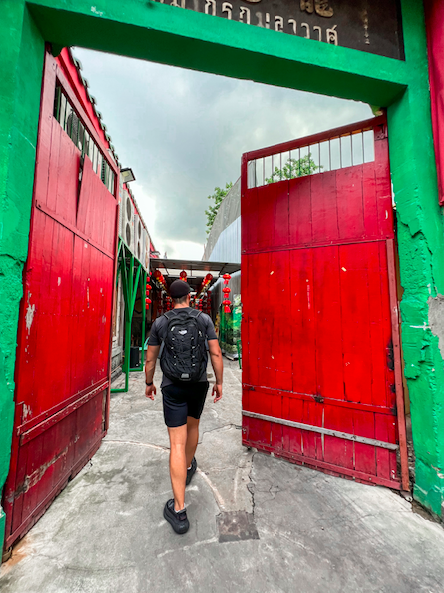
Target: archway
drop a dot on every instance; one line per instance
(168, 34)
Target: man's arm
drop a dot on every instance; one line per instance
(218, 367)
(151, 358)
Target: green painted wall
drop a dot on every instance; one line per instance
(22, 52)
(149, 30)
(421, 251)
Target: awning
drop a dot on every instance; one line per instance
(196, 270)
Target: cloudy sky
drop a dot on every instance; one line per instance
(183, 133)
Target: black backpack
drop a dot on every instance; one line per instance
(183, 356)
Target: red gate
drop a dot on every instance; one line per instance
(64, 336)
(322, 381)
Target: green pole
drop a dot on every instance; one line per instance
(127, 281)
(141, 282)
(143, 294)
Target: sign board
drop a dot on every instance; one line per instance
(368, 25)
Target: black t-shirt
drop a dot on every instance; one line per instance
(159, 328)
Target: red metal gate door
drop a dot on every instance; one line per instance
(322, 379)
(63, 355)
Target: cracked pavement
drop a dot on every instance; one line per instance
(106, 533)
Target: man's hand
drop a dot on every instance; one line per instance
(151, 357)
(217, 392)
(150, 391)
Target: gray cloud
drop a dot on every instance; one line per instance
(184, 132)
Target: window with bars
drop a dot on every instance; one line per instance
(68, 118)
(351, 149)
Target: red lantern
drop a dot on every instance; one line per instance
(226, 302)
(226, 290)
(183, 276)
(148, 301)
(226, 278)
(227, 309)
(149, 287)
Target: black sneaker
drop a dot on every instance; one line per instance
(178, 521)
(192, 470)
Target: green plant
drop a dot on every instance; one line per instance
(218, 196)
(294, 168)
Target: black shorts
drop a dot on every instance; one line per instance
(180, 401)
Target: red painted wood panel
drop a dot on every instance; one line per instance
(63, 354)
(325, 215)
(326, 301)
(63, 181)
(317, 329)
(302, 321)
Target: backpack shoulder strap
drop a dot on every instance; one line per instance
(168, 316)
(195, 313)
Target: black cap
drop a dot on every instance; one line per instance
(179, 289)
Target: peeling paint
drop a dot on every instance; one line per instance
(436, 319)
(30, 311)
(26, 412)
(95, 11)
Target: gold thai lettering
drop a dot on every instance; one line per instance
(332, 35)
(293, 24)
(278, 23)
(320, 7)
(271, 20)
(244, 11)
(210, 4)
(228, 8)
(307, 6)
(364, 17)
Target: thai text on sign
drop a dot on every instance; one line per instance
(368, 25)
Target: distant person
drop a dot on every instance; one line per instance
(180, 337)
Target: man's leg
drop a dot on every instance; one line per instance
(178, 464)
(192, 438)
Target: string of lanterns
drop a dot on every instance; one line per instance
(203, 303)
(160, 280)
(165, 303)
(226, 290)
(202, 300)
(204, 285)
(148, 301)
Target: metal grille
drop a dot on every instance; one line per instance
(335, 153)
(70, 121)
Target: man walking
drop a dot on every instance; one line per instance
(180, 337)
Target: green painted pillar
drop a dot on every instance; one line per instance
(22, 51)
(421, 254)
(142, 297)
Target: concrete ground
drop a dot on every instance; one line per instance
(298, 530)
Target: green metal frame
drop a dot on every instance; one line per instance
(134, 278)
